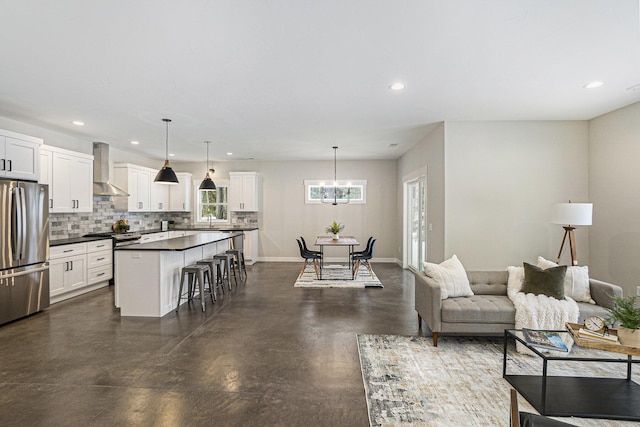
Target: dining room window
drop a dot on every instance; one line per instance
(213, 204)
(355, 191)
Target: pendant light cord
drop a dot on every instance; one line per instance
(166, 142)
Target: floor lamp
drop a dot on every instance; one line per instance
(571, 214)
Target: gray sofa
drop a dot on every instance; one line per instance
(489, 311)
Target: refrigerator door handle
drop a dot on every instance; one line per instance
(44, 267)
(16, 224)
(23, 222)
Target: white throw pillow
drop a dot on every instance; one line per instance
(576, 281)
(451, 276)
(514, 283)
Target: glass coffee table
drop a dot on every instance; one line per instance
(579, 396)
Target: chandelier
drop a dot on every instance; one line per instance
(338, 191)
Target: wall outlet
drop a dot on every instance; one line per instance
(638, 291)
(69, 227)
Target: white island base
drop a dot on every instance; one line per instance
(148, 274)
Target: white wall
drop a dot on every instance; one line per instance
(614, 181)
(284, 215)
(501, 179)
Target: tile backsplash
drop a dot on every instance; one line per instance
(70, 225)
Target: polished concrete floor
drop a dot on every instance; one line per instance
(266, 354)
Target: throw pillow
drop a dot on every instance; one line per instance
(576, 282)
(549, 282)
(451, 276)
(514, 283)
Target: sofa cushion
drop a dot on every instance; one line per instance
(587, 309)
(488, 282)
(549, 282)
(478, 309)
(576, 281)
(451, 276)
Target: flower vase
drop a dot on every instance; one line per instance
(336, 236)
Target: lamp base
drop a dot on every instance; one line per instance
(568, 231)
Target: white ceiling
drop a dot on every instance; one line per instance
(288, 79)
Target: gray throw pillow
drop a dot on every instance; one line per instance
(549, 282)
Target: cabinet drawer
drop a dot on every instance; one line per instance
(99, 274)
(99, 245)
(67, 250)
(97, 259)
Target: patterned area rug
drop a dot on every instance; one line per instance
(337, 276)
(459, 383)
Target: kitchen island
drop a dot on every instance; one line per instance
(147, 275)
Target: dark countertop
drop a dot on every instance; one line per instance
(231, 227)
(60, 242)
(180, 243)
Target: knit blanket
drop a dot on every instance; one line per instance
(539, 311)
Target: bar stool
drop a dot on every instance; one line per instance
(214, 266)
(225, 266)
(239, 260)
(195, 273)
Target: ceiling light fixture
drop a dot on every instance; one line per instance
(135, 142)
(166, 175)
(78, 123)
(337, 190)
(397, 86)
(593, 84)
(229, 154)
(207, 183)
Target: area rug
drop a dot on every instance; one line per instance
(337, 276)
(459, 383)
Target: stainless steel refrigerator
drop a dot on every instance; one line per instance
(24, 249)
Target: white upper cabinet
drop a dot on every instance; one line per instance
(180, 195)
(70, 179)
(135, 180)
(243, 191)
(19, 156)
(159, 197)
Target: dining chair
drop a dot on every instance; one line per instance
(366, 249)
(363, 259)
(307, 256)
(304, 246)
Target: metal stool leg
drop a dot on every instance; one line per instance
(200, 278)
(180, 291)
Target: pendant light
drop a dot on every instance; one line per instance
(166, 175)
(207, 183)
(323, 191)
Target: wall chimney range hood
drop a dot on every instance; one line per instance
(101, 184)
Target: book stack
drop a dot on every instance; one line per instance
(590, 335)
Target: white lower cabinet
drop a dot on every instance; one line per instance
(79, 268)
(250, 247)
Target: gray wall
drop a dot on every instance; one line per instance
(491, 186)
(615, 182)
(502, 179)
(427, 156)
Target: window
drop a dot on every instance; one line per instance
(212, 204)
(358, 191)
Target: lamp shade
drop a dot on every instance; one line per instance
(166, 175)
(572, 213)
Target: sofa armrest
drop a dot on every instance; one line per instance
(428, 301)
(602, 292)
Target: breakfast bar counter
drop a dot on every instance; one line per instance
(147, 275)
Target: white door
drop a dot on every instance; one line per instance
(60, 193)
(22, 159)
(81, 184)
(415, 223)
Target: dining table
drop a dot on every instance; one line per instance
(329, 241)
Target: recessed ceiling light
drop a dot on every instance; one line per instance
(397, 86)
(229, 154)
(171, 155)
(78, 123)
(135, 142)
(593, 84)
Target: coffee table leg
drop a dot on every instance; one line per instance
(543, 398)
